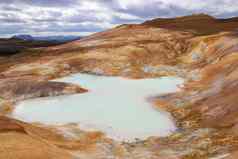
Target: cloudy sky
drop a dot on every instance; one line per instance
(82, 17)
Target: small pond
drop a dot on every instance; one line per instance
(117, 106)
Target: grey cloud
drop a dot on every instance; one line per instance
(21, 16)
(53, 16)
(10, 18)
(82, 17)
(42, 3)
(119, 20)
(55, 27)
(11, 8)
(160, 8)
(9, 29)
(52, 3)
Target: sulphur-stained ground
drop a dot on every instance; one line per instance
(206, 110)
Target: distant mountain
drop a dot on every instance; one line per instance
(23, 37)
(57, 38)
(46, 38)
(18, 43)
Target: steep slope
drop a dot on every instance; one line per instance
(132, 51)
(17, 142)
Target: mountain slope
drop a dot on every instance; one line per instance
(19, 43)
(59, 39)
(200, 24)
(14, 46)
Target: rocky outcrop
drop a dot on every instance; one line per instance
(21, 89)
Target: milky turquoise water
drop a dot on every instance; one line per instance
(115, 105)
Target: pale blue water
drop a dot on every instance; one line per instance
(114, 105)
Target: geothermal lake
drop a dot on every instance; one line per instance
(117, 106)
